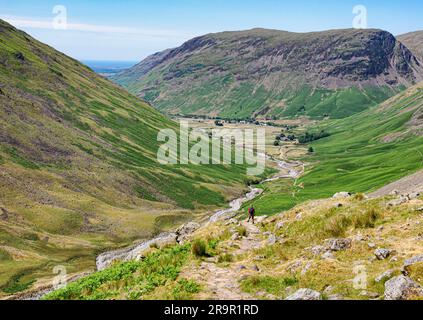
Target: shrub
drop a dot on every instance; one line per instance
(337, 225)
(184, 289)
(359, 196)
(199, 248)
(226, 257)
(242, 231)
(366, 219)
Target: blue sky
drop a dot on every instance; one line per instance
(133, 29)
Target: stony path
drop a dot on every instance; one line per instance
(222, 283)
(409, 184)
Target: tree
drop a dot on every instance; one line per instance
(311, 150)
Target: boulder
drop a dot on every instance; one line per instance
(402, 288)
(385, 276)
(305, 294)
(341, 195)
(328, 256)
(410, 262)
(235, 236)
(280, 225)
(318, 250)
(413, 195)
(255, 268)
(338, 244)
(382, 254)
(187, 229)
(272, 239)
(398, 201)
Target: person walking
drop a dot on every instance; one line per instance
(251, 214)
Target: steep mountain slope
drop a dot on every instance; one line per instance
(78, 168)
(345, 247)
(362, 154)
(275, 73)
(413, 41)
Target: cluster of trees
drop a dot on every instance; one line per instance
(309, 137)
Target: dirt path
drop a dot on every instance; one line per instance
(406, 185)
(221, 282)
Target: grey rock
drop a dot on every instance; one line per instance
(369, 294)
(410, 262)
(318, 250)
(305, 294)
(280, 225)
(413, 195)
(328, 256)
(328, 290)
(385, 276)
(398, 201)
(294, 266)
(394, 193)
(371, 245)
(272, 239)
(401, 288)
(306, 268)
(235, 236)
(338, 244)
(382, 254)
(335, 297)
(341, 195)
(255, 268)
(186, 230)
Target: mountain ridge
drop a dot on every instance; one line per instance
(263, 72)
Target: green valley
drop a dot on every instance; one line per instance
(78, 167)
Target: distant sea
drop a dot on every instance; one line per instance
(108, 68)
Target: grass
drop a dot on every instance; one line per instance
(358, 157)
(80, 156)
(132, 280)
(240, 90)
(320, 221)
(273, 285)
(199, 248)
(242, 231)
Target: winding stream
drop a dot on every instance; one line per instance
(133, 252)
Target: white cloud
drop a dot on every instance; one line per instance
(25, 22)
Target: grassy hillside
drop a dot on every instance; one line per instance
(78, 166)
(271, 73)
(363, 153)
(251, 266)
(413, 41)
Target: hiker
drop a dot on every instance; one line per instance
(251, 214)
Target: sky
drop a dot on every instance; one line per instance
(130, 30)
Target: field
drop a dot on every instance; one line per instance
(363, 153)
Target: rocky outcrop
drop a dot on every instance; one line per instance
(402, 288)
(338, 244)
(410, 262)
(382, 254)
(305, 294)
